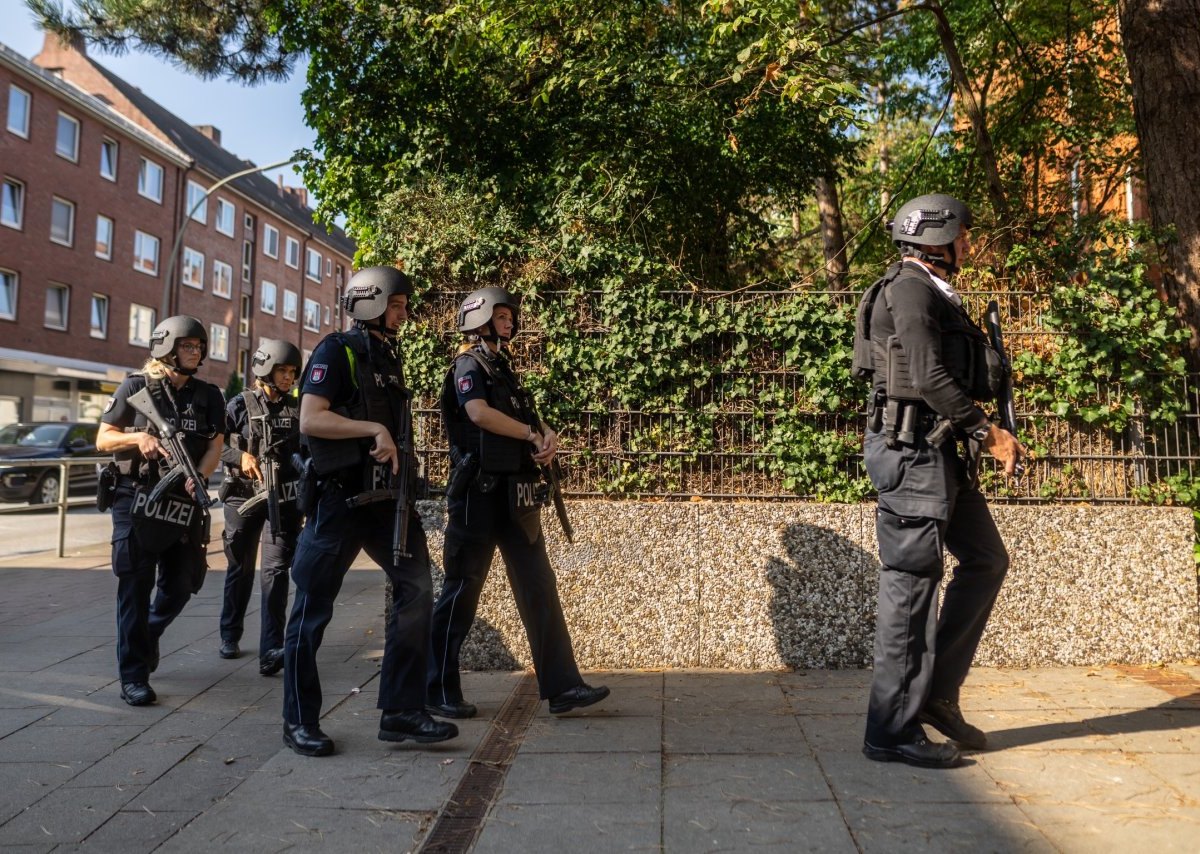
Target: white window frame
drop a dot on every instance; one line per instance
(328, 267)
(144, 170)
(309, 255)
(8, 277)
(140, 317)
(103, 300)
(23, 130)
(73, 156)
(116, 150)
(197, 195)
(245, 309)
(19, 222)
(270, 236)
(287, 259)
(112, 231)
(316, 310)
(70, 241)
(269, 287)
(191, 268)
(140, 240)
(224, 205)
(291, 305)
(326, 315)
(227, 291)
(218, 342)
(65, 290)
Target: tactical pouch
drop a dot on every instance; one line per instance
(306, 484)
(462, 476)
(106, 485)
(899, 377)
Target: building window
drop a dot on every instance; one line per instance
(312, 264)
(270, 241)
(62, 221)
(12, 203)
(150, 180)
(222, 280)
(225, 215)
(58, 300)
(244, 316)
(291, 305)
(104, 237)
(247, 260)
(268, 298)
(99, 316)
(145, 253)
(8, 295)
(18, 111)
(243, 363)
(66, 139)
(192, 273)
(141, 324)
(108, 160)
(293, 253)
(197, 202)
(312, 315)
(326, 315)
(218, 342)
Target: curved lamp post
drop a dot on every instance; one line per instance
(168, 282)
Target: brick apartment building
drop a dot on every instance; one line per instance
(98, 181)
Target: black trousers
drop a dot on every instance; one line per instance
(332, 538)
(140, 573)
(478, 524)
(243, 538)
(926, 505)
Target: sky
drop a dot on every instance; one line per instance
(263, 124)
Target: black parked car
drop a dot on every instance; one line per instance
(21, 479)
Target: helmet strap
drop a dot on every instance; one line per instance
(949, 265)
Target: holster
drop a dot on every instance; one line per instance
(462, 476)
(306, 484)
(106, 485)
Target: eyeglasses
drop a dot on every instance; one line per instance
(190, 348)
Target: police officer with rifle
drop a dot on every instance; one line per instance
(494, 498)
(355, 421)
(262, 432)
(162, 426)
(928, 363)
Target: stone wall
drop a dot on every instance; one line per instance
(769, 585)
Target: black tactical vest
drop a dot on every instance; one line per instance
(497, 454)
(195, 421)
(283, 418)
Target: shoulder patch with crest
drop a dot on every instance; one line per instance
(318, 373)
(465, 384)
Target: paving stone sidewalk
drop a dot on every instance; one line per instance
(1085, 760)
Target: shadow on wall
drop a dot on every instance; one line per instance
(823, 599)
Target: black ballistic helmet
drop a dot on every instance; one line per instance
(932, 220)
(476, 310)
(271, 353)
(367, 292)
(168, 333)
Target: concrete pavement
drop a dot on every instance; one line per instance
(1084, 759)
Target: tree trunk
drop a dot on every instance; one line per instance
(1162, 47)
(832, 237)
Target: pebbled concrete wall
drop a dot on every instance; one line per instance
(766, 585)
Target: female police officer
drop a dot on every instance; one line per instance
(262, 431)
(353, 405)
(496, 444)
(169, 537)
(929, 364)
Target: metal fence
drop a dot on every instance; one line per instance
(716, 446)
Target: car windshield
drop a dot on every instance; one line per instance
(40, 436)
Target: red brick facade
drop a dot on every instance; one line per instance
(46, 371)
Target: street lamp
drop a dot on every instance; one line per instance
(168, 282)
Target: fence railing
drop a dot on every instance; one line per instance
(63, 467)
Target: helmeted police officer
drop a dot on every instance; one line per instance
(164, 541)
(262, 432)
(494, 499)
(928, 363)
(353, 404)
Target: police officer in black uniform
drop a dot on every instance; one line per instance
(161, 543)
(353, 403)
(262, 428)
(929, 363)
(494, 499)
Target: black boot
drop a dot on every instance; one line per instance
(307, 739)
(137, 693)
(415, 724)
(578, 697)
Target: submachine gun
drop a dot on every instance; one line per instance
(1004, 395)
(402, 486)
(553, 474)
(182, 466)
(267, 454)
